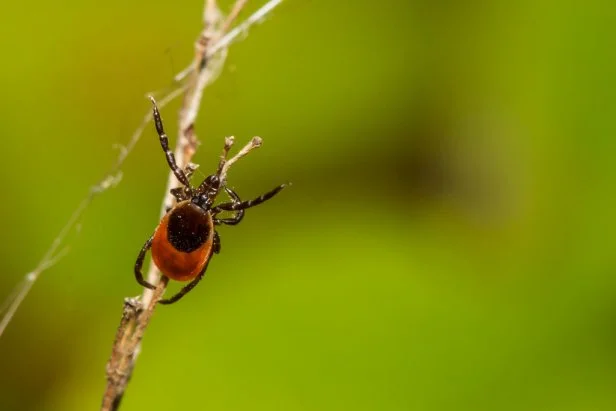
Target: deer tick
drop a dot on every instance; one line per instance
(185, 240)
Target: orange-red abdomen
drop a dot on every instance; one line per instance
(182, 242)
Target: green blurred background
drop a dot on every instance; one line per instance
(447, 243)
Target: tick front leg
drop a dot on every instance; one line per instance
(179, 193)
(164, 142)
(216, 245)
(139, 264)
(238, 215)
(235, 206)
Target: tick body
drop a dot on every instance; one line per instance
(183, 241)
(186, 238)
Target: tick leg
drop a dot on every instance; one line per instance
(164, 142)
(188, 287)
(178, 193)
(139, 264)
(216, 245)
(233, 206)
(184, 192)
(238, 216)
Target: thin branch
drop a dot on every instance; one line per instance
(242, 28)
(235, 12)
(206, 66)
(126, 346)
(224, 42)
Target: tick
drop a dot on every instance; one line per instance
(186, 239)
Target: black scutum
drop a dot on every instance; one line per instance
(188, 228)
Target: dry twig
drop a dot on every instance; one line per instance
(205, 68)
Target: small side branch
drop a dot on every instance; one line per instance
(226, 164)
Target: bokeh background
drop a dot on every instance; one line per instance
(447, 243)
